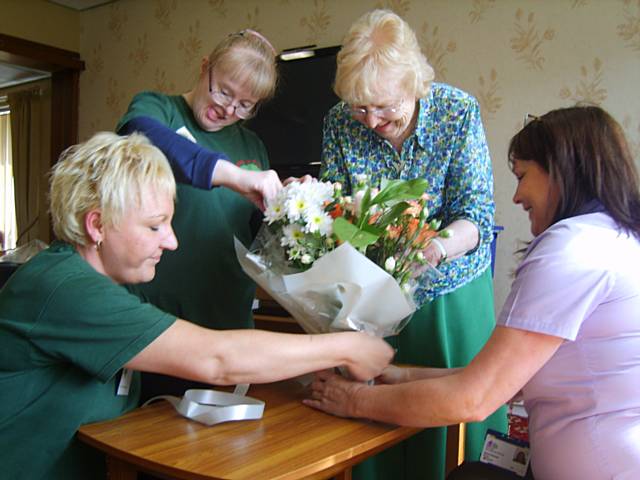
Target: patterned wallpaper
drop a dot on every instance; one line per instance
(516, 57)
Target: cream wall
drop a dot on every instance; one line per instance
(514, 56)
(42, 22)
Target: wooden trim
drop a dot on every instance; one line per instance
(65, 67)
(41, 56)
(65, 91)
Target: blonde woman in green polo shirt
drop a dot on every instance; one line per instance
(68, 327)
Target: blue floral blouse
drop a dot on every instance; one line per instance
(448, 147)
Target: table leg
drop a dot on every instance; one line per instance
(344, 475)
(119, 470)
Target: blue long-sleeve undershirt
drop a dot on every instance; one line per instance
(191, 163)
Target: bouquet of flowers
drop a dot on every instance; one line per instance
(339, 262)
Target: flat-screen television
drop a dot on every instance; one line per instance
(290, 125)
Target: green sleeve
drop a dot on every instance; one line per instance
(148, 104)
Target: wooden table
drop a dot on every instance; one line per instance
(291, 441)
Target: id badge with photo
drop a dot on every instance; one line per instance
(505, 452)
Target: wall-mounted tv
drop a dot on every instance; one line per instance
(290, 125)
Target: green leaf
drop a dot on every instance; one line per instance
(364, 207)
(399, 190)
(391, 215)
(359, 238)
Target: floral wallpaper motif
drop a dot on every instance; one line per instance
(252, 19)
(513, 56)
(95, 62)
(479, 9)
(317, 22)
(164, 12)
(435, 49)
(115, 96)
(117, 21)
(400, 7)
(629, 30)
(191, 45)
(490, 101)
(589, 88)
(161, 83)
(219, 7)
(527, 41)
(140, 55)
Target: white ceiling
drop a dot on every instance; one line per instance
(14, 74)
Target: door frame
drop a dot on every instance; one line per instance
(65, 67)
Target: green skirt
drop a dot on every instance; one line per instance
(446, 332)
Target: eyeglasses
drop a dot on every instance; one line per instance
(378, 112)
(242, 109)
(528, 118)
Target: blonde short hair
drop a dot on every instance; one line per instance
(380, 43)
(107, 172)
(248, 57)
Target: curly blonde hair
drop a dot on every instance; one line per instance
(378, 44)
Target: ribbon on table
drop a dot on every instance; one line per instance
(211, 407)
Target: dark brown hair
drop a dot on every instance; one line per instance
(585, 152)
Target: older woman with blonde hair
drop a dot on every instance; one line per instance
(70, 331)
(395, 122)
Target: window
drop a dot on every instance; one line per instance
(7, 200)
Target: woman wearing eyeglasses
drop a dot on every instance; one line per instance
(201, 134)
(393, 122)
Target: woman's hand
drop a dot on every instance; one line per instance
(393, 374)
(433, 255)
(368, 355)
(303, 179)
(256, 186)
(334, 394)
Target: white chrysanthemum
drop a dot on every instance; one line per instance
(318, 194)
(301, 199)
(295, 253)
(319, 221)
(292, 234)
(275, 211)
(295, 206)
(306, 259)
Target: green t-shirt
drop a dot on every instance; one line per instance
(202, 281)
(65, 333)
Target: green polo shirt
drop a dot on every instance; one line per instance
(65, 333)
(202, 281)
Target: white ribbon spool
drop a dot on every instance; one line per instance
(211, 407)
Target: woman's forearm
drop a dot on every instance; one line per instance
(226, 357)
(258, 356)
(423, 373)
(422, 403)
